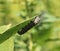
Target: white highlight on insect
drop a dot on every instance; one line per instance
(37, 19)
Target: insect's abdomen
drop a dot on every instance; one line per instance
(26, 28)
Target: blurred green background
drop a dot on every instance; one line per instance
(40, 38)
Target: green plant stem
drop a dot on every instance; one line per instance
(27, 9)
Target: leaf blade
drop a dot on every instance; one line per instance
(7, 34)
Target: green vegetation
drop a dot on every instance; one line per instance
(15, 14)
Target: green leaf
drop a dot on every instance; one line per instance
(9, 44)
(4, 28)
(10, 32)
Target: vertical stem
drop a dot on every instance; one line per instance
(27, 9)
(48, 5)
(30, 43)
(29, 15)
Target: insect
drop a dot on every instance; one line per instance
(30, 24)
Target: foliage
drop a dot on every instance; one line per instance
(43, 37)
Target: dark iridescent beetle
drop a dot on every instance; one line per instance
(31, 24)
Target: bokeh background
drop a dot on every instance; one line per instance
(38, 38)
